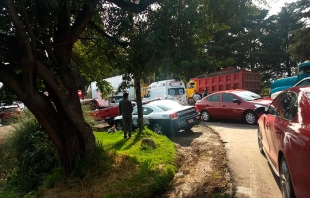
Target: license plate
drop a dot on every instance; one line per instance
(107, 117)
(190, 121)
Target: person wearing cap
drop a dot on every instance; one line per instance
(125, 109)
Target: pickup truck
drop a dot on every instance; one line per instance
(99, 112)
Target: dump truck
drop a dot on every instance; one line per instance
(225, 79)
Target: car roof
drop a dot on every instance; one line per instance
(10, 106)
(299, 89)
(230, 91)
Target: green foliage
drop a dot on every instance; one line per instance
(6, 96)
(154, 168)
(27, 156)
(87, 115)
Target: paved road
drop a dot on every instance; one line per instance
(252, 175)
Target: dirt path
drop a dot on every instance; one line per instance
(203, 169)
(251, 172)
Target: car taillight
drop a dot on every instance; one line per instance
(197, 110)
(174, 116)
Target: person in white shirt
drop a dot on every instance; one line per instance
(196, 96)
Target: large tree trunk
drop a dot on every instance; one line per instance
(288, 66)
(139, 103)
(37, 59)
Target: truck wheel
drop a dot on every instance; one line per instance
(250, 117)
(110, 122)
(119, 125)
(205, 116)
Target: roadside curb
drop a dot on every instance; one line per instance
(230, 186)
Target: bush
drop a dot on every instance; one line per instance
(27, 156)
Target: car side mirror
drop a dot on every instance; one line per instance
(261, 110)
(236, 101)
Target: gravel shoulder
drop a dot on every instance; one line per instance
(203, 170)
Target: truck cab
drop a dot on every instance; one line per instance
(285, 83)
(190, 90)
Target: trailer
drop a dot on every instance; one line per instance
(115, 82)
(225, 79)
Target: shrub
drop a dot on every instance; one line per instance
(27, 156)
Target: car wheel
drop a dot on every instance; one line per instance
(158, 128)
(250, 117)
(205, 116)
(118, 125)
(285, 180)
(260, 142)
(111, 123)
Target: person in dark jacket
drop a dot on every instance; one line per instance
(204, 93)
(125, 109)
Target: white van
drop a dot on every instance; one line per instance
(167, 89)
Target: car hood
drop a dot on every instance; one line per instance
(263, 101)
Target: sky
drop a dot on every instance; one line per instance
(275, 7)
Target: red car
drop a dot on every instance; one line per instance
(235, 104)
(100, 112)
(284, 138)
(8, 113)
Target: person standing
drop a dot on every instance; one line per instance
(204, 93)
(196, 97)
(125, 109)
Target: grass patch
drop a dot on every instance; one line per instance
(125, 169)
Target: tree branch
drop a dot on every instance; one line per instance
(82, 19)
(18, 24)
(28, 65)
(29, 28)
(133, 7)
(103, 34)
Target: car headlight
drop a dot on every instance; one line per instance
(258, 105)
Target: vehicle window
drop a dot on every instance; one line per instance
(274, 105)
(304, 70)
(147, 110)
(226, 97)
(166, 105)
(191, 85)
(214, 98)
(287, 101)
(176, 91)
(247, 95)
(303, 83)
(10, 109)
(290, 115)
(135, 111)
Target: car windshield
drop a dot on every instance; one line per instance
(166, 105)
(248, 95)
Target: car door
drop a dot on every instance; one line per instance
(269, 119)
(229, 108)
(146, 111)
(279, 126)
(213, 105)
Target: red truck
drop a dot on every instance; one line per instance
(225, 79)
(102, 112)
